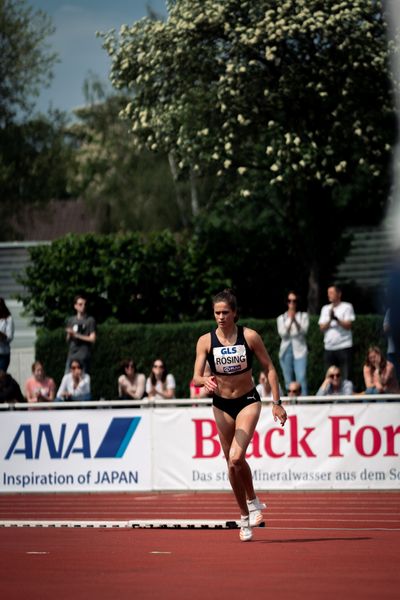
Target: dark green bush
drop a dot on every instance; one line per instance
(176, 344)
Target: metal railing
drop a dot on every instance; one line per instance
(191, 402)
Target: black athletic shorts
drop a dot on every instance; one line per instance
(233, 406)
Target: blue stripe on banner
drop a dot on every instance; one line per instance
(128, 436)
(117, 437)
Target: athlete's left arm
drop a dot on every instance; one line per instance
(257, 345)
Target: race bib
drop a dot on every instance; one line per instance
(230, 359)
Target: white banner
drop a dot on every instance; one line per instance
(75, 450)
(323, 446)
(334, 446)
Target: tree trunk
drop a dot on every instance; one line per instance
(313, 291)
(179, 196)
(193, 194)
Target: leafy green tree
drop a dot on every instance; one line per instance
(132, 189)
(26, 59)
(34, 151)
(289, 102)
(130, 278)
(34, 161)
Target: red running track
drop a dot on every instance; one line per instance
(316, 544)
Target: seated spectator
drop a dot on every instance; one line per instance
(38, 387)
(131, 384)
(263, 387)
(197, 391)
(294, 389)
(379, 373)
(75, 385)
(160, 384)
(9, 389)
(333, 384)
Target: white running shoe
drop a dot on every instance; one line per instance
(255, 514)
(246, 533)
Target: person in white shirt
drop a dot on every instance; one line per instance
(75, 385)
(292, 328)
(335, 321)
(131, 384)
(160, 384)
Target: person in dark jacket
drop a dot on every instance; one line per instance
(9, 389)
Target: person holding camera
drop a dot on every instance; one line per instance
(81, 335)
(335, 322)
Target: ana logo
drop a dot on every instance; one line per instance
(61, 445)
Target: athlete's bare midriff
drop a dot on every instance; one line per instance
(234, 386)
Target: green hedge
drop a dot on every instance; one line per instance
(176, 344)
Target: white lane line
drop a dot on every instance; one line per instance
(333, 529)
(148, 511)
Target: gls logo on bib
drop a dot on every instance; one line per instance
(230, 359)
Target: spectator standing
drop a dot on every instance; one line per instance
(6, 335)
(131, 384)
(9, 389)
(379, 373)
(335, 321)
(292, 328)
(75, 385)
(39, 387)
(334, 385)
(81, 335)
(160, 384)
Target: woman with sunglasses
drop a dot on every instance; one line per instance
(75, 385)
(292, 328)
(333, 385)
(160, 384)
(131, 384)
(229, 350)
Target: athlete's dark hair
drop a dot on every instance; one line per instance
(229, 298)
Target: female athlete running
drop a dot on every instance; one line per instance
(229, 351)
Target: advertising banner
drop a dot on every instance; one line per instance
(322, 446)
(325, 446)
(75, 450)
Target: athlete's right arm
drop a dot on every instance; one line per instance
(208, 382)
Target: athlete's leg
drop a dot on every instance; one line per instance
(235, 437)
(226, 428)
(239, 470)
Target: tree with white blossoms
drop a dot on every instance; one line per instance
(289, 102)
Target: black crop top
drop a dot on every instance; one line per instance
(230, 360)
